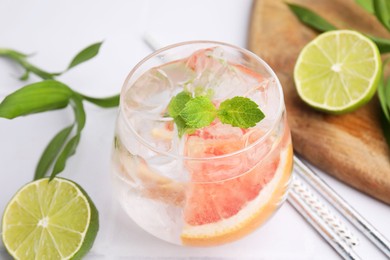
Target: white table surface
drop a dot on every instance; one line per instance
(55, 31)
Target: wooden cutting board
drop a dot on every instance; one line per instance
(350, 147)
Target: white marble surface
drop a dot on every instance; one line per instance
(55, 31)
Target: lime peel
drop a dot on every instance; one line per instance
(50, 220)
(338, 71)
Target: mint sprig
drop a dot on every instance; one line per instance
(191, 113)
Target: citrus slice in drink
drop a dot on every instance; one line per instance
(50, 220)
(338, 71)
(231, 196)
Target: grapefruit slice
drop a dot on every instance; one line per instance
(220, 211)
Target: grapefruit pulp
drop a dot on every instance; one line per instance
(231, 196)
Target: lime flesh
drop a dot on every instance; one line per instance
(50, 220)
(338, 71)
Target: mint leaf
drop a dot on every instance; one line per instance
(240, 111)
(175, 107)
(182, 127)
(199, 112)
(178, 103)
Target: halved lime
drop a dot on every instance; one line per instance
(50, 220)
(338, 71)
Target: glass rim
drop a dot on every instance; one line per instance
(158, 52)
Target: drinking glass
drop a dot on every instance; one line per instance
(206, 186)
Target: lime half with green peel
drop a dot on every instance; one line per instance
(50, 220)
(338, 71)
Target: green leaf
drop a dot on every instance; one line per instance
(25, 75)
(21, 59)
(382, 12)
(71, 146)
(240, 111)
(182, 127)
(366, 4)
(12, 53)
(178, 103)
(383, 44)
(37, 71)
(313, 20)
(51, 152)
(85, 55)
(387, 94)
(385, 128)
(34, 98)
(384, 92)
(106, 102)
(68, 151)
(79, 112)
(199, 112)
(175, 107)
(310, 18)
(382, 98)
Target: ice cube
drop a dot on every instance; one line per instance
(177, 72)
(150, 93)
(154, 129)
(158, 218)
(208, 65)
(169, 167)
(268, 101)
(222, 73)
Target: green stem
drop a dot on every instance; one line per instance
(20, 58)
(107, 102)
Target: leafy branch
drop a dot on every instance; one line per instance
(51, 94)
(381, 10)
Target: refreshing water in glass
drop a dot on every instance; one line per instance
(212, 185)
